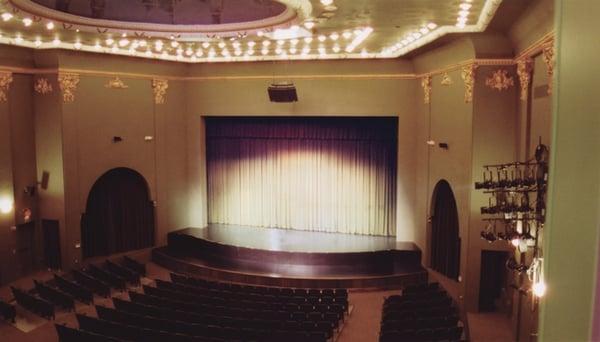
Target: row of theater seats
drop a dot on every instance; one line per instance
(7, 311)
(63, 292)
(184, 311)
(422, 313)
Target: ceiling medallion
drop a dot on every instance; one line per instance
(116, 83)
(524, 68)
(160, 90)
(42, 86)
(68, 84)
(5, 81)
(548, 55)
(426, 84)
(500, 80)
(446, 80)
(468, 76)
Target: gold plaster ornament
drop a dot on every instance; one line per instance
(446, 80)
(548, 55)
(468, 76)
(500, 80)
(5, 81)
(426, 84)
(524, 68)
(68, 84)
(42, 86)
(160, 90)
(116, 83)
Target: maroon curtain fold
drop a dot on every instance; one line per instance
(119, 215)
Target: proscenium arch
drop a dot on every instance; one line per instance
(444, 234)
(119, 214)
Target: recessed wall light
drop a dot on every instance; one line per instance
(50, 25)
(6, 16)
(27, 21)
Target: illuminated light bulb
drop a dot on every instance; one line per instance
(363, 53)
(225, 52)
(199, 53)
(321, 50)
(37, 42)
(221, 45)
(174, 44)
(123, 35)
(347, 34)
(334, 36)
(237, 52)
(416, 35)
(424, 30)
(309, 24)
(50, 26)
(56, 42)
(404, 41)
(462, 20)
(431, 26)
(515, 242)
(463, 13)
(465, 6)
(280, 42)
(205, 45)
(18, 39)
(123, 42)
(158, 45)
(143, 43)
(266, 42)
(251, 43)
(279, 51)
(336, 48)
(293, 50)
(110, 41)
(539, 289)
(264, 51)
(236, 44)
(307, 40)
(97, 46)
(250, 52)
(179, 51)
(305, 51)
(189, 52)
(294, 41)
(410, 39)
(27, 21)
(6, 16)
(322, 38)
(326, 2)
(77, 45)
(260, 33)
(6, 205)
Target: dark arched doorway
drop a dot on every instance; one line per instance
(119, 214)
(445, 242)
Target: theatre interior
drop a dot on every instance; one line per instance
(299, 170)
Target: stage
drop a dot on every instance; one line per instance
(283, 257)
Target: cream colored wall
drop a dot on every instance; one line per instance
(536, 21)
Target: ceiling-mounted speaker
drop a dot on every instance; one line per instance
(282, 92)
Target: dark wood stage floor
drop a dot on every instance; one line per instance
(286, 257)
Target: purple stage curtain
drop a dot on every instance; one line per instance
(318, 174)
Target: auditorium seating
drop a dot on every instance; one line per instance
(78, 291)
(33, 303)
(134, 265)
(129, 275)
(421, 313)
(107, 277)
(54, 296)
(96, 285)
(7, 311)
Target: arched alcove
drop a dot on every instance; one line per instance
(445, 240)
(119, 214)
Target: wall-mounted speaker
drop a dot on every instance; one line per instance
(282, 92)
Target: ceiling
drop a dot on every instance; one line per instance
(240, 30)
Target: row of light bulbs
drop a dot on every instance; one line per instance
(463, 13)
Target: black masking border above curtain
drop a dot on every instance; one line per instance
(119, 215)
(445, 241)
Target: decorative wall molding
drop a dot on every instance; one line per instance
(116, 83)
(42, 86)
(446, 80)
(500, 80)
(68, 84)
(160, 90)
(524, 69)
(5, 81)
(468, 76)
(549, 59)
(426, 84)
